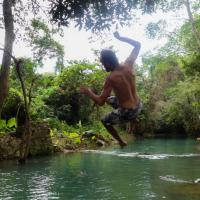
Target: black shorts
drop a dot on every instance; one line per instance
(120, 115)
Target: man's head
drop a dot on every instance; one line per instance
(109, 60)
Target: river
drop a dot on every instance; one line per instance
(144, 170)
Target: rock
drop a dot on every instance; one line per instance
(97, 138)
(41, 143)
(100, 143)
(57, 149)
(9, 147)
(88, 134)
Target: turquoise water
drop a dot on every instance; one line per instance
(146, 169)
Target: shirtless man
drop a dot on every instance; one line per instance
(122, 81)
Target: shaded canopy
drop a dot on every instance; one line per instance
(98, 15)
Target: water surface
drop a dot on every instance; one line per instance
(146, 169)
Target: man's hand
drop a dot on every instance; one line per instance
(98, 99)
(117, 36)
(85, 90)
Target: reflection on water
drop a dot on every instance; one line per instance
(145, 170)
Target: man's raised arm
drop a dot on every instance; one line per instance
(134, 54)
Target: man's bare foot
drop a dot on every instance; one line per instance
(122, 144)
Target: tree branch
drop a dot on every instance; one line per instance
(26, 136)
(14, 58)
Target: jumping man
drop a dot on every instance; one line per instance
(122, 81)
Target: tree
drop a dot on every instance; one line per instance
(26, 135)
(8, 47)
(12, 12)
(173, 84)
(191, 19)
(41, 39)
(155, 29)
(88, 14)
(17, 19)
(98, 15)
(67, 102)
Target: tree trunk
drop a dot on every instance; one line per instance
(26, 136)
(191, 19)
(8, 46)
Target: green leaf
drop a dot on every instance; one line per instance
(12, 123)
(65, 133)
(77, 140)
(93, 137)
(51, 133)
(2, 124)
(73, 135)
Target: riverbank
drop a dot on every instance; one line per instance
(43, 142)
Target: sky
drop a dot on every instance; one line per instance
(77, 44)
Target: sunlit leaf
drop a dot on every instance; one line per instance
(12, 123)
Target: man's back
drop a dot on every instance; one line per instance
(123, 84)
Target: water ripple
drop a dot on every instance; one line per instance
(171, 178)
(142, 155)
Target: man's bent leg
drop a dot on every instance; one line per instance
(114, 133)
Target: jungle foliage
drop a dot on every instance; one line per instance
(168, 82)
(172, 87)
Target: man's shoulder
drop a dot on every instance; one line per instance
(127, 66)
(113, 74)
